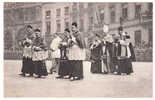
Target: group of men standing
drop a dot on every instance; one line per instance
(69, 47)
(112, 54)
(34, 53)
(67, 54)
(109, 54)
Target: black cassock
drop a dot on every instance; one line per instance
(27, 63)
(39, 64)
(125, 64)
(110, 61)
(96, 65)
(76, 66)
(27, 67)
(64, 67)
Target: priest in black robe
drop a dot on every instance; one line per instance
(125, 55)
(96, 54)
(76, 53)
(39, 55)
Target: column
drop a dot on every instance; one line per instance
(107, 14)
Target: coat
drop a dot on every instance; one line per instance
(76, 50)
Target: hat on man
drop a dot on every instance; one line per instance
(29, 26)
(74, 24)
(120, 28)
(67, 30)
(127, 35)
(37, 30)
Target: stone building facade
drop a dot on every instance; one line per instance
(16, 17)
(135, 18)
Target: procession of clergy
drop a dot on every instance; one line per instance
(111, 54)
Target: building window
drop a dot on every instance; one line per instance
(81, 6)
(18, 16)
(48, 14)
(150, 35)
(38, 13)
(125, 13)
(66, 23)
(112, 13)
(58, 26)
(102, 15)
(137, 11)
(81, 25)
(112, 17)
(74, 7)
(48, 27)
(91, 22)
(90, 5)
(30, 14)
(66, 10)
(150, 7)
(58, 12)
(138, 37)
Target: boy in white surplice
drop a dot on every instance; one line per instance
(55, 53)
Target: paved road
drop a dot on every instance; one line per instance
(139, 84)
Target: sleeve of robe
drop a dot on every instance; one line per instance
(80, 41)
(119, 50)
(53, 45)
(42, 44)
(133, 58)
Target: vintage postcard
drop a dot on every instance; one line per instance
(78, 49)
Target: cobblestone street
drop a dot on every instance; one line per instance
(139, 84)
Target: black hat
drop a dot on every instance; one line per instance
(97, 35)
(37, 30)
(128, 36)
(120, 28)
(29, 26)
(67, 30)
(74, 24)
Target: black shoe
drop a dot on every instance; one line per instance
(105, 73)
(70, 76)
(72, 79)
(66, 77)
(118, 74)
(128, 73)
(59, 77)
(22, 74)
(52, 70)
(50, 73)
(31, 75)
(78, 78)
(38, 76)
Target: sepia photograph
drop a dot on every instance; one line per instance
(78, 49)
